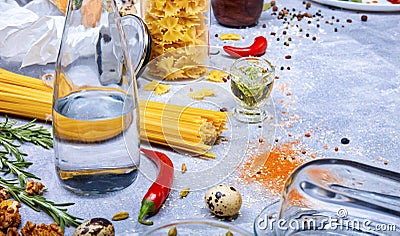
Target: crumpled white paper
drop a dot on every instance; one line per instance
(30, 34)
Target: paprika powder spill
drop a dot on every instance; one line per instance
(281, 162)
(258, 48)
(161, 187)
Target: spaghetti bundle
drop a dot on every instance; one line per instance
(193, 130)
(24, 96)
(188, 129)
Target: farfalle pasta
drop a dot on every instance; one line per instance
(158, 88)
(202, 93)
(179, 32)
(217, 76)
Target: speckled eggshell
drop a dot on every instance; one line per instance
(223, 200)
(95, 227)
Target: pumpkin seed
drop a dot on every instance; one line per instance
(172, 231)
(229, 233)
(184, 168)
(120, 216)
(184, 193)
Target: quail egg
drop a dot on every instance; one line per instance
(95, 227)
(223, 200)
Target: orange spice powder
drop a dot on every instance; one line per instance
(281, 162)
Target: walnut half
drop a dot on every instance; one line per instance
(33, 187)
(4, 194)
(31, 229)
(12, 231)
(9, 214)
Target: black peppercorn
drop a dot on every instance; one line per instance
(345, 141)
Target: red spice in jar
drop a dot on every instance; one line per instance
(237, 13)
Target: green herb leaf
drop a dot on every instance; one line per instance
(38, 202)
(37, 135)
(266, 6)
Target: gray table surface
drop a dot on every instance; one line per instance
(342, 84)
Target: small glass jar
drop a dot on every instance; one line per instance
(173, 26)
(237, 13)
(252, 80)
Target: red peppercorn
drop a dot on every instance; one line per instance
(364, 18)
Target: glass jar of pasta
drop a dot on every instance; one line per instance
(179, 32)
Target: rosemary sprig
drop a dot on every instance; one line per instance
(37, 135)
(29, 132)
(16, 168)
(10, 147)
(37, 202)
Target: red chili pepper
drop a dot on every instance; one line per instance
(258, 48)
(161, 187)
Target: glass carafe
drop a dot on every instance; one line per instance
(95, 107)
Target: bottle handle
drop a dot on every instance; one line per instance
(138, 41)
